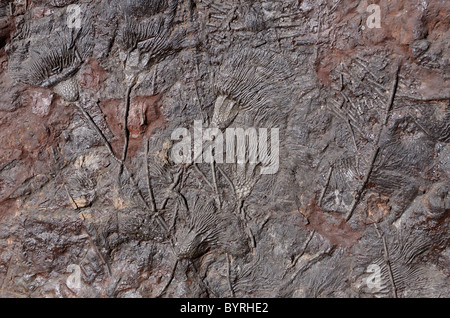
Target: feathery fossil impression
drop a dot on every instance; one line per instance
(251, 80)
(202, 231)
(401, 270)
(55, 60)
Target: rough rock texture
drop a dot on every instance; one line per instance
(90, 96)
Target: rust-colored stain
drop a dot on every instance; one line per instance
(332, 227)
(144, 117)
(377, 208)
(402, 23)
(7, 208)
(26, 137)
(92, 75)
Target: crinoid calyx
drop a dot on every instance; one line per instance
(68, 89)
(252, 80)
(202, 231)
(244, 178)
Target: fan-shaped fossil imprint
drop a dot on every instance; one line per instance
(154, 35)
(45, 63)
(54, 65)
(251, 80)
(202, 231)
(399, 265)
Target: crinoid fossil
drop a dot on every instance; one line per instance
(46, 62)
(141, 8)
(399, 264)
(202, 232)
(68, 90)
(154, 37)
(327, 279)
(245, 177)
(146, 23)
(133, 31)
(406, 153)
(159, 164)
(53, 62)
(345, 176)
(252, 80)
(253, 17)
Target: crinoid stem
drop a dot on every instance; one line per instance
(203, 176)
(387, 261)
(352, 133)
(99, 132)
(108, 269)
(126, 132)
(149, 181)
(303, 249)
(162, 223)
(230, 183)
(313, 259)
(52, 81)
(363, 184)
(377, 148)
(51, 151)
(243, 216)
(230, 285)
(216, 188)
(425, 99)
(123, 168)
(393, 93)
(155, 72)
(169, 281)
(322, 195)
(418, 124)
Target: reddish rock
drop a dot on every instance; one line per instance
(332, 227)
(40, 100)
(93, 75)
(144, 117)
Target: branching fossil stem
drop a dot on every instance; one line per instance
(126, 132)
(149, 181)
(99, 132)
(387, 261)
(230, 285)
(227, 179)
(203, 176)
(376, 149)
(304, 247)
(172, 275)
(322, 195)
(216, 188)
